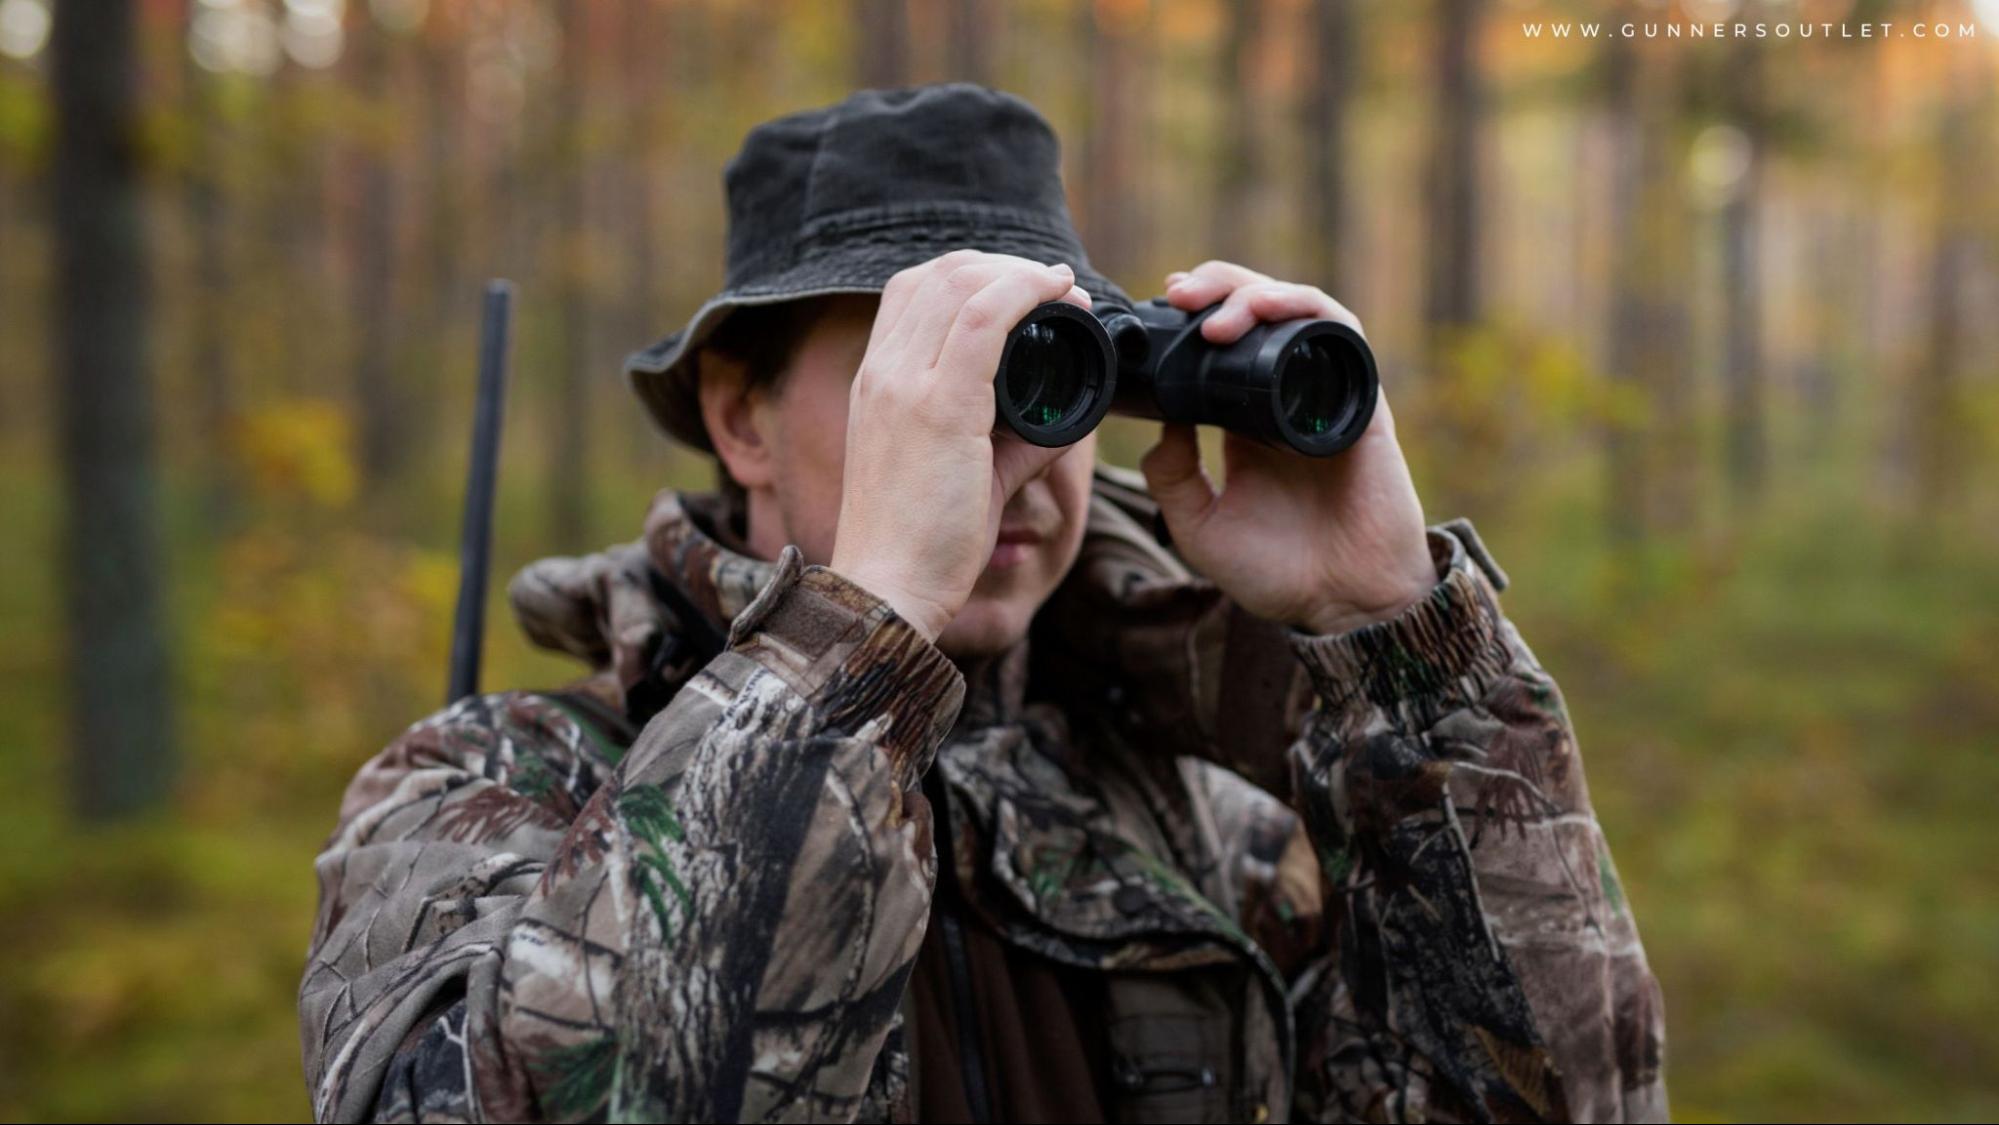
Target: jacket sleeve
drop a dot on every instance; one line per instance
(719, 927)
(1484, 961)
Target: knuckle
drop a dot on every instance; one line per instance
(890, 403)
(978, 315)
(931, 410)
(902, 280)
(1235, 272)
(965, 280)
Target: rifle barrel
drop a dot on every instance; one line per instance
(475, 543)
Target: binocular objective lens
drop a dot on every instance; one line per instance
(1047, 373)
(1312, 387)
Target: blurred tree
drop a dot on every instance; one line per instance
(444, 228)
(1937, 404)
(1113, 114)
(1328, 90)
(881, 43)
(972, 40)
(289, 184)
(569, 413)
(1451, 290)
(1741, 289)
(381, 399)
(645, 31)
(121, 701)
(1236, 156)
(1645, 314)
(209, 351)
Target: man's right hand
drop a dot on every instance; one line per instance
(926, 476)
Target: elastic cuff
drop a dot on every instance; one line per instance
(1447, 645)
(854, 659)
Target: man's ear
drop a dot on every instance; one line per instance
(738, 419)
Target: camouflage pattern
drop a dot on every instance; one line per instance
(1325, 878)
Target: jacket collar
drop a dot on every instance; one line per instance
(647, 615)
(695, 542)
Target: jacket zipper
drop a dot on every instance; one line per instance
(971, 1050)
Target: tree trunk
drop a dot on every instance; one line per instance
(1742, 295)
(1330, 88)
(1649, 445)
(121, 704)
(647, 34)
(444, 232)
(1110, 205)
(973, 42)
(569, 414)
(382, 404)
(1624, 465)
(1236, 149)
(1451, 295)
(881, 42)
(1939, 430)
(209, 352)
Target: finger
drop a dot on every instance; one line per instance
(939, 289)
(905, 287)
(1289, 301)
(1178, 482)
(1210, 282)
(944, 291)
(1266, 303)
(977, 334)
(1175, 278)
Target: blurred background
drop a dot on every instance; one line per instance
(1700, 332)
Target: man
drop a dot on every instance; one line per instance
(919, 780)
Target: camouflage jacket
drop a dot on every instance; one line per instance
(1325, 877)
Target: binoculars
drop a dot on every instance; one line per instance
(1305, 385)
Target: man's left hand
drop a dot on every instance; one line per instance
(1323, 544)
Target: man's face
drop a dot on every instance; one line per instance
(1041, 527)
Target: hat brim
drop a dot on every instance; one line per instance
(664, 378)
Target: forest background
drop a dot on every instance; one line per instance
(1698, 330)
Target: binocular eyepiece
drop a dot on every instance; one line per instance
(1305, 385)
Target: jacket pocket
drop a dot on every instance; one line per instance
(1172, 1042)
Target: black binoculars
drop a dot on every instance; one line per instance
(1306, 385)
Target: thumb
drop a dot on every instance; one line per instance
(1015, 462)
(1177, 481)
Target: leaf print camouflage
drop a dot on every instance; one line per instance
(1345, 878)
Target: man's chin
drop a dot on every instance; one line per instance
(985, 627)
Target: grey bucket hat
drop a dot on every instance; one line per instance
(840, 199)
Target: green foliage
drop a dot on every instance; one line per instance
(575, 1080)
(648, 811)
